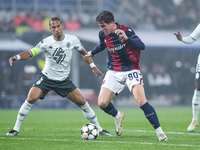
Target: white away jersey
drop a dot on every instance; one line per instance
(196, 33)
(58, 55)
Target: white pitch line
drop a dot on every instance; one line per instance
(143, 143)
(122, 142)
(146, 131)
(183, 133)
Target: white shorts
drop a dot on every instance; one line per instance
(197, 75)
(116, 81)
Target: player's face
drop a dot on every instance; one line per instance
(107, 28)
(56, 28)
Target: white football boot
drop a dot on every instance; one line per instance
(162, 137)
(193, 125)
(118, 124)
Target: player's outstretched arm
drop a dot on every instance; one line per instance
(22, 56)
(89, 54)
(96, 71)
(89, 60)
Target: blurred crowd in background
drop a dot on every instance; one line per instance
(168, 76)
(168, 72)
(20, 15)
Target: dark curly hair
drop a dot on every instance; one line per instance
(105, 16)
(54, 19)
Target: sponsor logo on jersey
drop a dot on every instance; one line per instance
(117, 48)
(59, 55)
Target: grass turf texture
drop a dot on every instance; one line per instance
(60, 129)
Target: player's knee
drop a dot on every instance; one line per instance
(141, 102)
(80, 103)
(102, 104)
(31, 100)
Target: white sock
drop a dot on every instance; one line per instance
(90, 115)
(23, 112)
(196, 105)
(118, 115)
(159, 131)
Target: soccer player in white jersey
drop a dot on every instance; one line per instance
(55, 75)
(196, 97)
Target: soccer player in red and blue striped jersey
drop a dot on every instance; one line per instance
(123, 54)
(124, 48)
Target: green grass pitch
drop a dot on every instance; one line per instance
(52, 129)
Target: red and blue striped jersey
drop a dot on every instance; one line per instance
(122, 55)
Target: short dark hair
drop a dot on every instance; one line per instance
(54, 19)
(105, 16)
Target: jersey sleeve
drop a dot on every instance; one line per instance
(102, 40)
(134, 40)
(39, 48)
(77, 44)
(101, 45)
(196, 33)
(130, 33)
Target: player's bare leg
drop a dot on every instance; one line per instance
(104, 102)
(77, 97)
(34, 95)
(195, 109)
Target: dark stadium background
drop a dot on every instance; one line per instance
(168, 66)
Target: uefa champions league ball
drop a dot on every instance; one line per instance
(89, 132)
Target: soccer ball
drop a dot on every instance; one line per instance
(89, 132)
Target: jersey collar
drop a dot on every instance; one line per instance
(59, 40)
(118, 25)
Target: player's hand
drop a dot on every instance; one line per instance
(89, 54)
(178, 35)
(121, 34)
(11, 59)
(97, 71)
